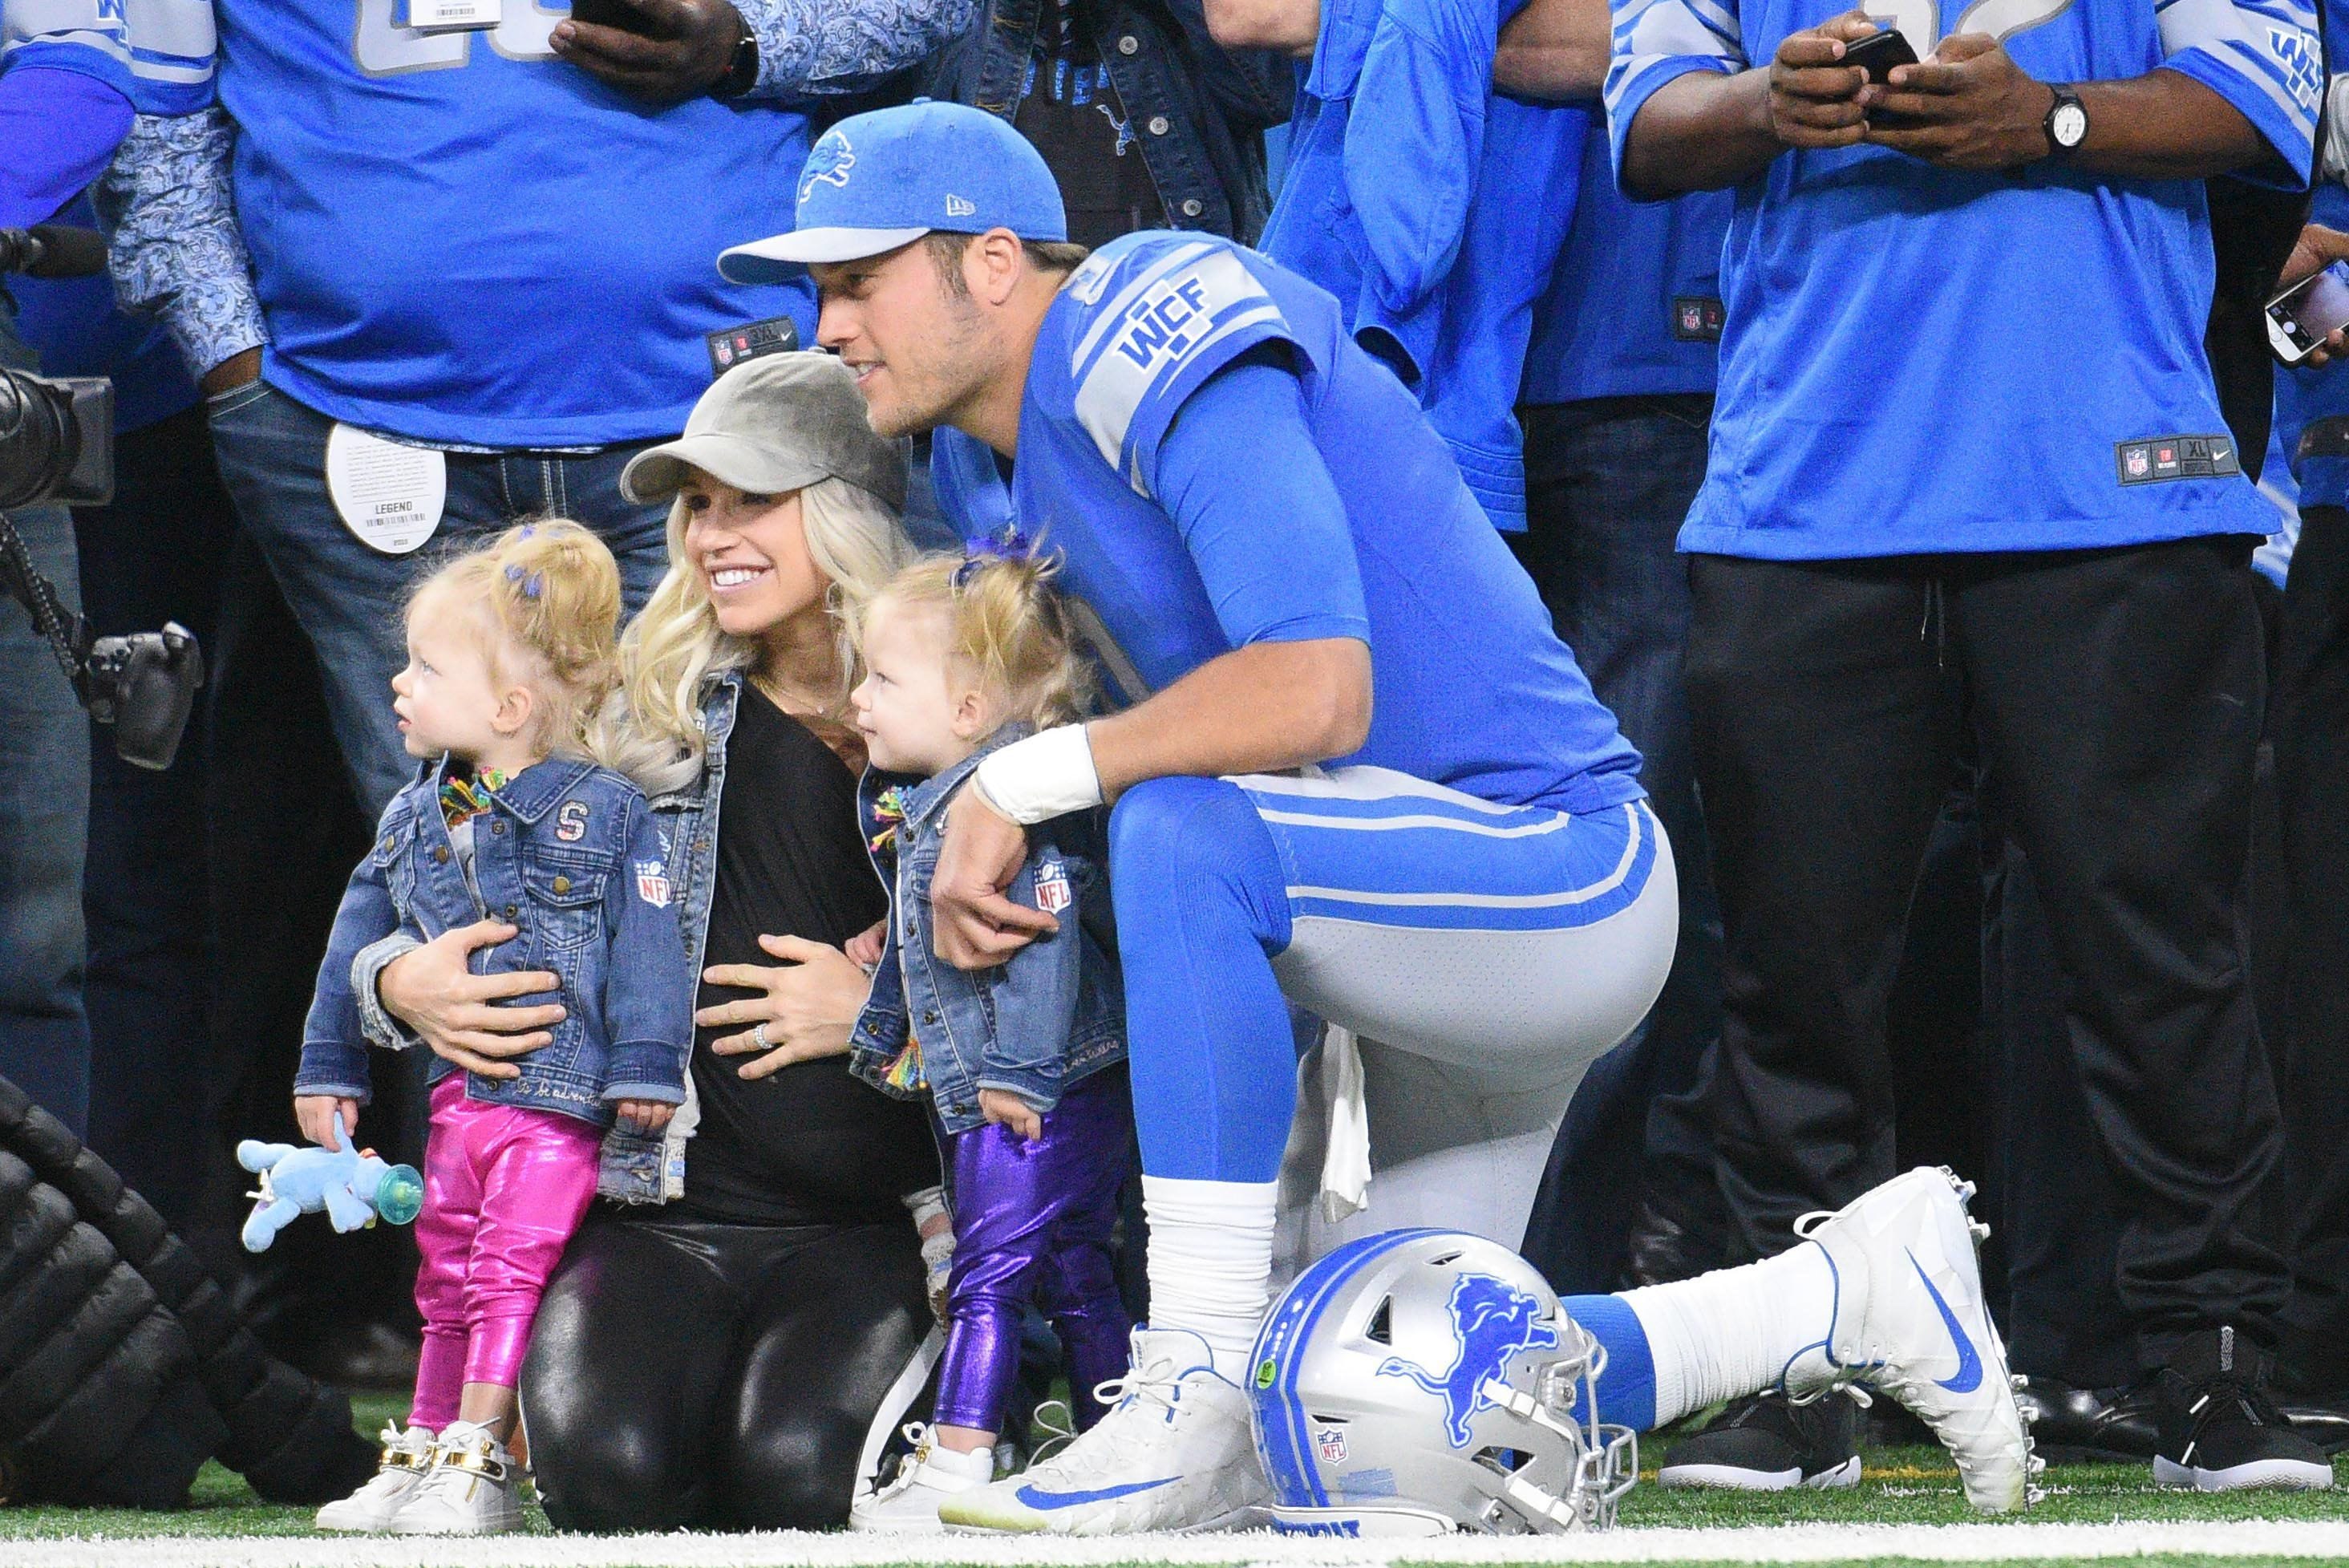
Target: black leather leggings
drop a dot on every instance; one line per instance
(691, 1374)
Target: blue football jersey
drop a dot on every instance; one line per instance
(1471, 688)
(459, 237)
(1919, 359)
(1634, 303)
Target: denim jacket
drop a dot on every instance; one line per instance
(568, 853)
(1049, 1017)
(636, 1169)
(1199, 111)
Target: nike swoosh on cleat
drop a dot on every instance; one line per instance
(1970, 1367)
(1035, 1498)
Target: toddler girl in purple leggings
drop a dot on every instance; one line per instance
(1023, 1064)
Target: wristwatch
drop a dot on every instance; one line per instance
(741, 69)
(2067, 121)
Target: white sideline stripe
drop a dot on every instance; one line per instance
(791, 1549)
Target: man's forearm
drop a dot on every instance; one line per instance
(1291, 26)
(2163, 125)
(1703, 130)
(1554, 51)
(1258, 709)
(174, 245)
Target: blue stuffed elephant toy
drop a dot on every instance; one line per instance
(356, 1188)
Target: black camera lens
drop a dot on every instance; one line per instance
(56, 439)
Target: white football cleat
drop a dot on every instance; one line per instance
(1909, 1320)
(406, 1456)
(1174, 1452)
(474, 1488)
(925, 1478)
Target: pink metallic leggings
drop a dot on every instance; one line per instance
(504, 1190)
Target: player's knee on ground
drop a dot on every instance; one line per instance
(795, 1470)
(1191, 849)
(599, 1470)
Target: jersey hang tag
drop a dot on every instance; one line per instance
(389, 495)
(451, 15)
(776, 334)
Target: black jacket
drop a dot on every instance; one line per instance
(122, 1365)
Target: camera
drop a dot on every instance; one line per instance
(56, 444)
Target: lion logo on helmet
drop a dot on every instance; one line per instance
(830, 161)
(1494, 1321)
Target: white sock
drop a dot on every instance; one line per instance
(1732, 1332)
(1211, 1262)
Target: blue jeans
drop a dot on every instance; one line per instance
(349, 597)
(1608, 483)
(44, 816)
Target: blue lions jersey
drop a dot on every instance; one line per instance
(1921, 359)
(458, 237)
(1471, 689)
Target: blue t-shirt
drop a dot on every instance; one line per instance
(462, 238)
(1634, 303)
(1920, 360)
(1471, 688)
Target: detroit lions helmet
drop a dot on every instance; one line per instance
(1419, 1382)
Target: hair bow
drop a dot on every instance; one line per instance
(1011, 544)
(530, 584)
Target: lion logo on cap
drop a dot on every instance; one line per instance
(830, 161)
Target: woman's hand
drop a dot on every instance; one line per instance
(433, 991)
(314, 1114)
(644, 1117)
(807, 1007)
(1006, 1109)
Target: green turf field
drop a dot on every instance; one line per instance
(1911, 1486)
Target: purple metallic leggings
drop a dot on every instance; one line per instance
(1032, 1222)
(504, 1190)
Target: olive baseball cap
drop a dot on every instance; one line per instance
(772, 425)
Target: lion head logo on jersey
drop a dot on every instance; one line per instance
(830, 161)
(1495, 1321)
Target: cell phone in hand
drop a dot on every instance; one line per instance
(2303, 315)
(611, 13)
(1877, 53)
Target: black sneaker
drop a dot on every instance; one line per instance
(1762, 1443)
(2091, 1425)
(2220, 1430)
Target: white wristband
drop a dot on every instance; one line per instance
(1047, 775)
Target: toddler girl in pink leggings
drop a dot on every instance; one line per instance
(509, 649)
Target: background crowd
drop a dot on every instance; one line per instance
(2008, 878)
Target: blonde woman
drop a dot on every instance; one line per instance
(718, 1350)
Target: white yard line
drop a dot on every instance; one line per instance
(1787, 1543)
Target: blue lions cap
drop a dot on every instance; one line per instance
(878, 181)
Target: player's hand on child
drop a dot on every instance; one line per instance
(865, 947)
(434, 991)
(644, 1117)
(1006, 1109)
(974, 925)
(804, 1007)
(314, 1114)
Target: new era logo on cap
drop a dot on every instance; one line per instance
(900, 159)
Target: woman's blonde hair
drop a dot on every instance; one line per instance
(1010, 625)
(543, 600)
(650, 727)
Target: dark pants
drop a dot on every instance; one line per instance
(44, 807)
(2311, 729)
(349, 597)
(156, 553)
(2114, 700)
(687, 1374)
(1032, 1224)
(1608, 483)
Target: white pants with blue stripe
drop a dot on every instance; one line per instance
(1483, 955)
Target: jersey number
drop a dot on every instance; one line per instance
(1921, 20)
(383, 48)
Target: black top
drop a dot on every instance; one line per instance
(1072, 114)
(809, 1145)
